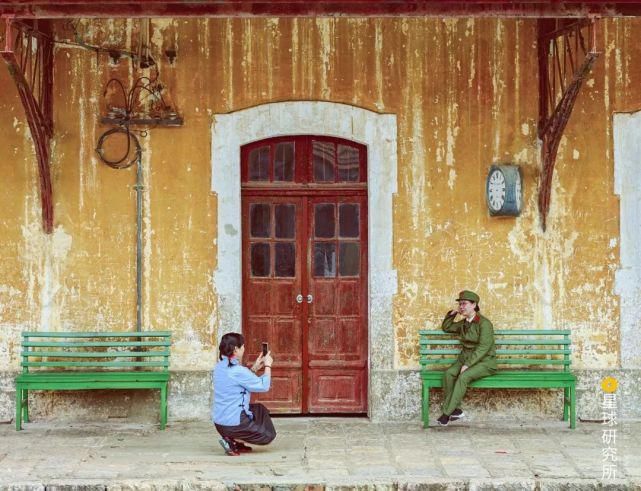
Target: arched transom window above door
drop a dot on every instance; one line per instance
(315, 161)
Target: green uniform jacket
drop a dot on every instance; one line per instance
(477, 339)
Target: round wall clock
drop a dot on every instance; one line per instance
(503, 190)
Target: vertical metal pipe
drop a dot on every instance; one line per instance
(139, 188)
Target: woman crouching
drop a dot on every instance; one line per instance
(233, 415)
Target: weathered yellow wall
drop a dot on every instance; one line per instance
(465, 94)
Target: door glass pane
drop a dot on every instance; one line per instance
(349, 258)
(285, 259)
(259, 164)
(260, 259)
(260, 220)
(324, 222)
(348, 168)
(348, 220)
(285, 218)
(325, 259)
(284, 162)
(323, 161)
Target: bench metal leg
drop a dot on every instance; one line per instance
(18, 408)
(573, 406)
(25, 405)
(163, 407)
(566, 403)
(426, 405)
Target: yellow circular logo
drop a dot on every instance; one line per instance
(609, 384)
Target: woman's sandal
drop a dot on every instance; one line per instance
(241, 447)
(229, 447)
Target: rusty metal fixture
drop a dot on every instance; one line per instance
(171, 55)
(564, 62)
(142, 105)
(28, 53)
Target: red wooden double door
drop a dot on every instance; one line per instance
(304, 208)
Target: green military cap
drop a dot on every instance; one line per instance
(468, 295)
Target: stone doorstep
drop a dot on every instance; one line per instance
(312, 484)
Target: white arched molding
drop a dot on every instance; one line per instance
(627, 184)
(377, 132)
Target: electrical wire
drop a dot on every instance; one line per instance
(78, 41)
(121, 163)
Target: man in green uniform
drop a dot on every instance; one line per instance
(477, 358)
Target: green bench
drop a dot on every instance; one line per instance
(93, 360)
(527, 359)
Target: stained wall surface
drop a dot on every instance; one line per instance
(464, 92)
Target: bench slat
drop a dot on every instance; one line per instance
(507, 332)
(505, 342)
(124, 334)
(97, 354)
(438, 361)
(426, 351)
(511, 383)
(511, 372)
(92, 385)
(501, 361)
(84, 375)
(114, 364)
(92, 344)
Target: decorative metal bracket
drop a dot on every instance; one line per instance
(561, 44)
(28, 53)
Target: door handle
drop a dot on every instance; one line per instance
(310, 299)
(299, 298)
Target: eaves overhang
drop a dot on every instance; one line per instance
(51, 9)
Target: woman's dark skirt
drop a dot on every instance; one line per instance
(258, 431)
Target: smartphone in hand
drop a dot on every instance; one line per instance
(265, 348)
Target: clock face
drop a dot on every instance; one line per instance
(496, 190)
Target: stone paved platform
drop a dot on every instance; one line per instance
(329, 453)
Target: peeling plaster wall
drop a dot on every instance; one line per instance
(464, 95)
(627, 152)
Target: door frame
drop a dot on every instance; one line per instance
(376, 131)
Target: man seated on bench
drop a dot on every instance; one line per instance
(477, 358)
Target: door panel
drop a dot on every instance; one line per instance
(338, 391)
(337, 322)
(272, 262)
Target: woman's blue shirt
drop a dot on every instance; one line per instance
(232, 387)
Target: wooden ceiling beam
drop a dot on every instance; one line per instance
(287, 8)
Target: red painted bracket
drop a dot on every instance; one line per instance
(560, 77)
(28, 54)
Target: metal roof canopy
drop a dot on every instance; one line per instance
(52, 9)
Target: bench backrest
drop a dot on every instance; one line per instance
(524, 347)
(147, 350)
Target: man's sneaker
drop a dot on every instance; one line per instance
(443, 420)
(457, 414)
(228, 446)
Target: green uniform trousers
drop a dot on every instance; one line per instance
(455, 383)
